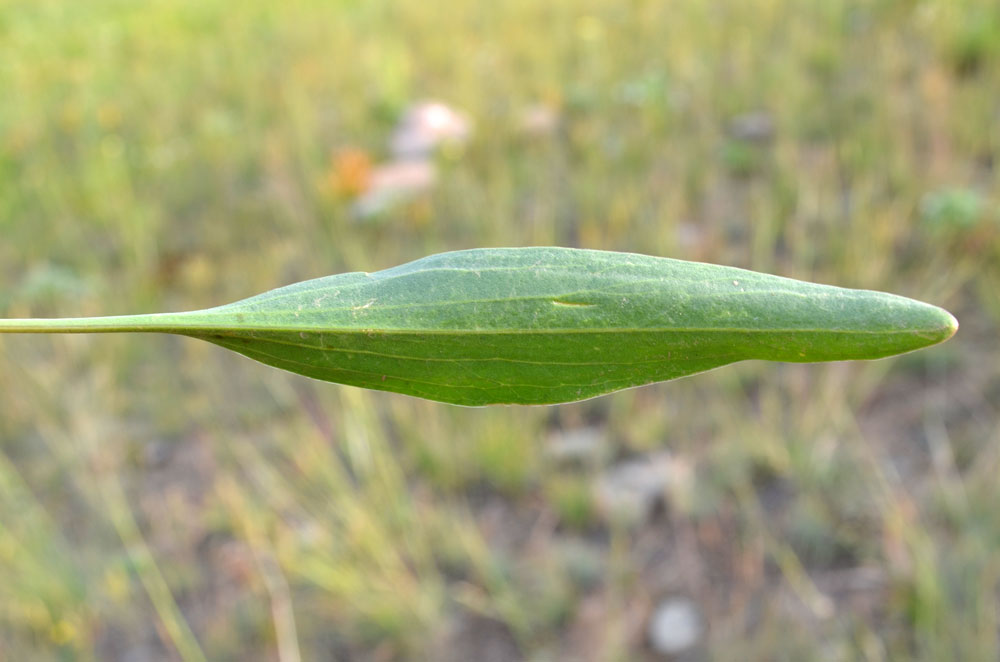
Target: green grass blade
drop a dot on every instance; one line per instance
(541, 325)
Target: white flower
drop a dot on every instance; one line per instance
(425, 127)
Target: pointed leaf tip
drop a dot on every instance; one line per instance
(935, 325)
(950, 326)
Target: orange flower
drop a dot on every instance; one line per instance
(350, 172)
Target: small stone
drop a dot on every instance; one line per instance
(142, 652)
(156, 454)
(755, 127)
(585, 444)
(674, 626)
(631, 489)
(583, 561)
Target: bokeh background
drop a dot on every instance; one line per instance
(161, 499)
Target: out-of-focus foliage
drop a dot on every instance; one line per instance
(173, 499)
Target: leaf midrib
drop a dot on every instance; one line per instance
(555, 331)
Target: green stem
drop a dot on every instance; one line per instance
(166, 322)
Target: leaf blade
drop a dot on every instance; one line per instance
(545, 325)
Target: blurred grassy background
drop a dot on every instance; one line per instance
(163, 499)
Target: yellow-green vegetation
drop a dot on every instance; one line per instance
(160, 497)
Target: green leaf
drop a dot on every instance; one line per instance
(540, 325)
